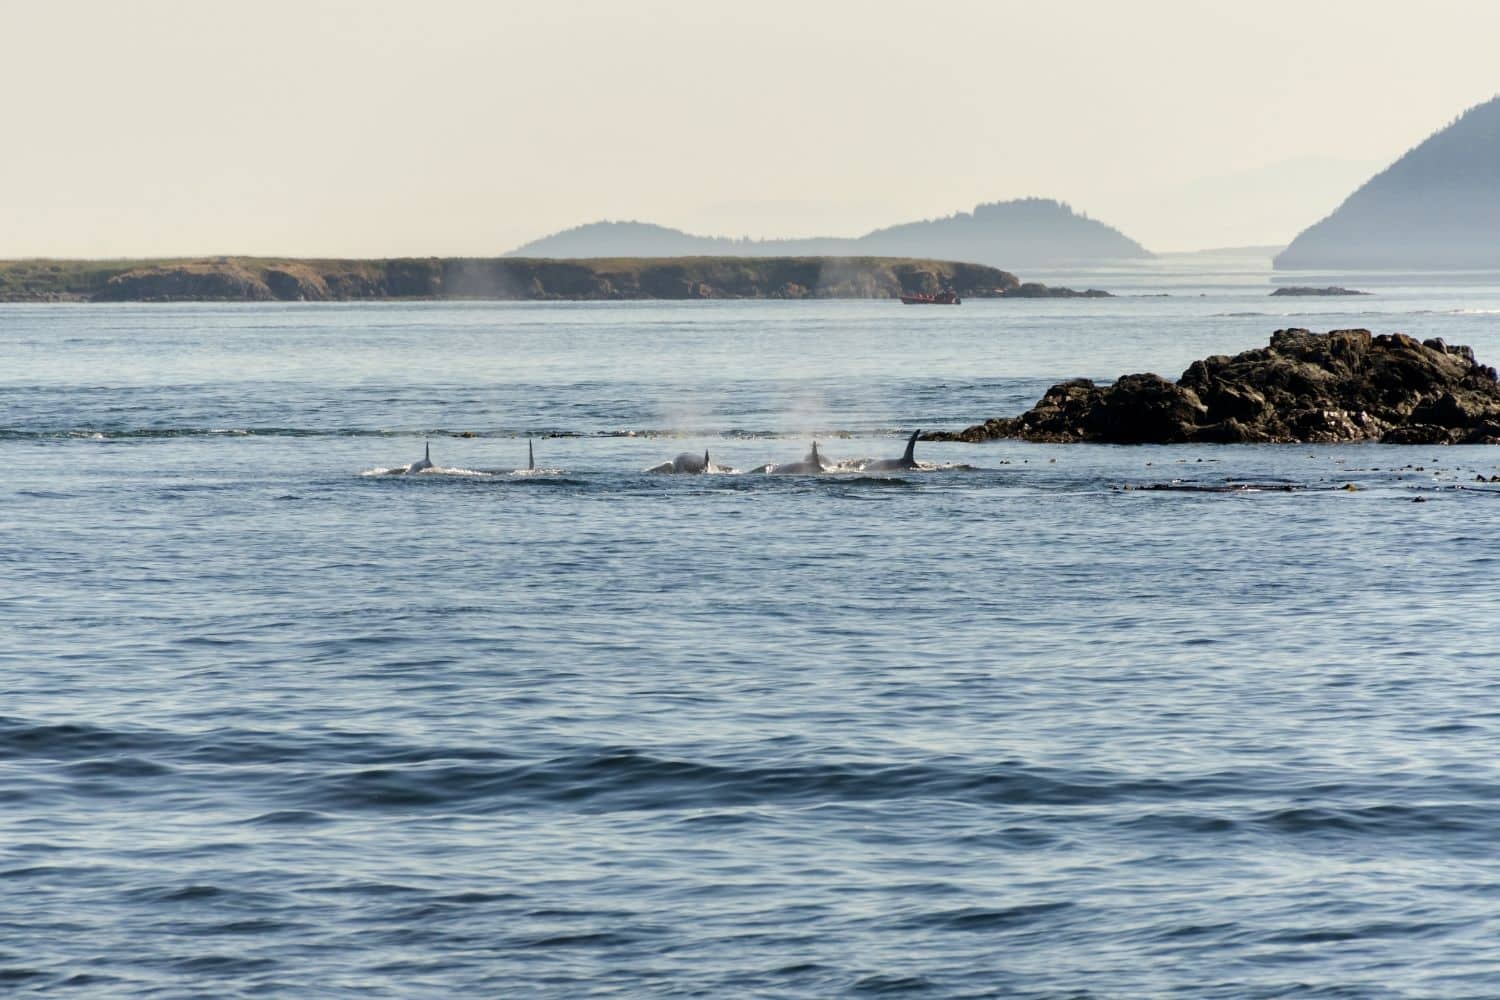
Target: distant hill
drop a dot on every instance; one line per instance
(1436, 208)
(1024, 233)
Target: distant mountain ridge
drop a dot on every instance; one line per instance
(1020, 233)
(1435, 208)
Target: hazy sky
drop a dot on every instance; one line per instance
(368, 127)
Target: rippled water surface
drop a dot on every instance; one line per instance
(271, 725)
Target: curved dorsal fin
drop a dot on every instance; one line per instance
(530, 455)
(911, 447)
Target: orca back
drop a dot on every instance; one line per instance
(426, 462)
(688, 461)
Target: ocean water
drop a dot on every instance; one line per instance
(273, 724)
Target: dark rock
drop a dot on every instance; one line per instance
(1139, 409)
(1449, 410)
(1487, 432)
(1347, 385)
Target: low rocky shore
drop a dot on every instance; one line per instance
(1347, 385)
(256, 279)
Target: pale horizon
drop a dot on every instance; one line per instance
(338, 129)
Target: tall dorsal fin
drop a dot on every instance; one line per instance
(427, 451)
(706, 462)
(911, 447)
(817, 459)
(530, 455)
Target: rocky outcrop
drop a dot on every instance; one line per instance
(1347, 385)
(1304, 290)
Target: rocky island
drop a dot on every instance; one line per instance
(1347, 385)
(256, 279)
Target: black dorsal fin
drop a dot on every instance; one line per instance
(427, 450)
(530, 455)
(911, 447)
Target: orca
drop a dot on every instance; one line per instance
(687, 462)
(425, 462)
(812, 465)
(529, 469)
(906, 461)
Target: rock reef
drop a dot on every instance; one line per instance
(1347, 385)
(1302, 290)
(1037, 290)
